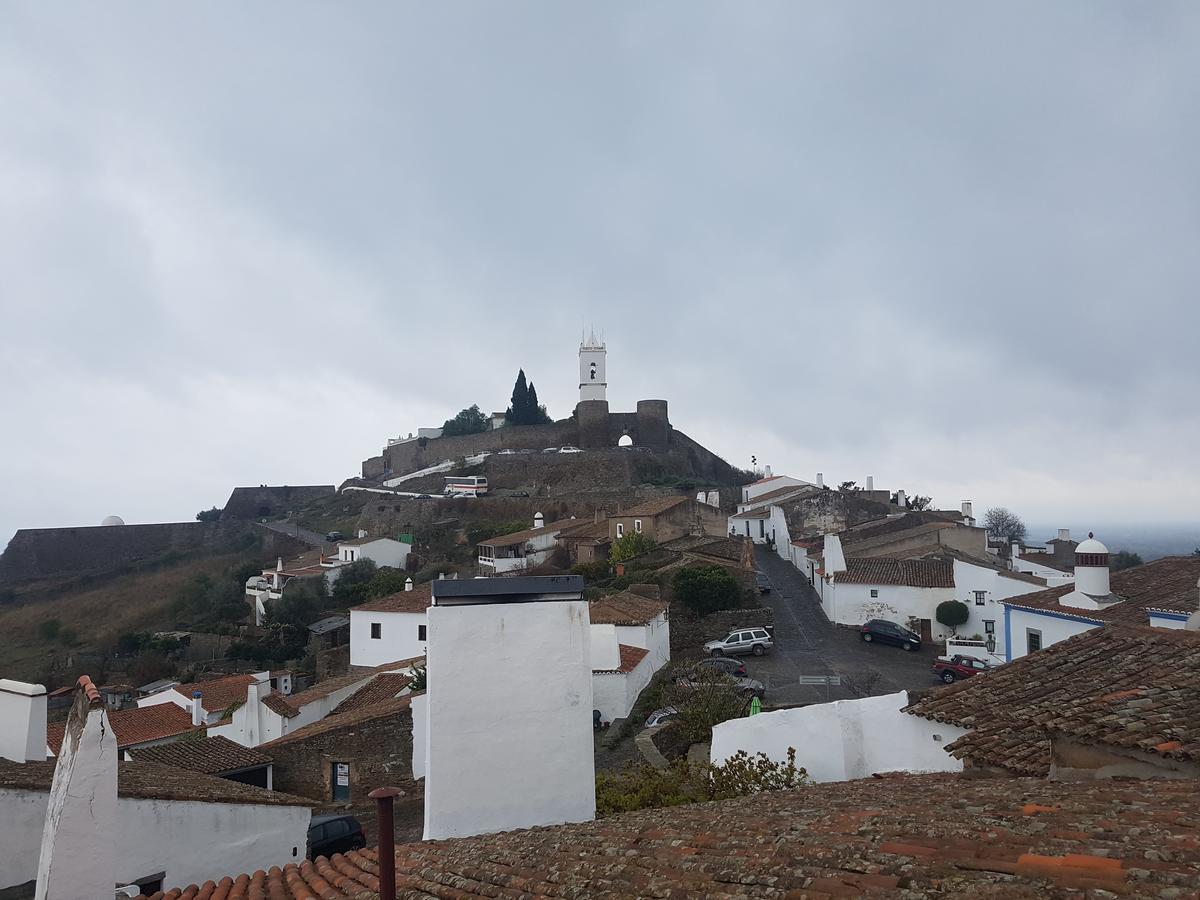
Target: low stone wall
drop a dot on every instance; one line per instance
(689, 632)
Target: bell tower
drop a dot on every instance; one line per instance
(593, 383)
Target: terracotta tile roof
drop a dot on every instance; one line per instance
(586, 531)
(324, 688)
(278, 703)
(1039, 559)
(630, 657)
(756, 513)
(780, 494)
(655, 507)
(213, 755)
(900, 836)
(380, 688)
(348, 719)
(926, 573)
(520, 537)
(1119, 685)
(989, 563)
(419, 599)
(625, 608)
(154, 781)
(218, 694)
(135, 726)
(1167, 584)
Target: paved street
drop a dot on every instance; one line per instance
(807, 644)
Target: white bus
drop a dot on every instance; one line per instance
(465, 486)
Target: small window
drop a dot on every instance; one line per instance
(376, 630)
(989, 626)
(620, 530)
(637, 525)
(762, 528)
(980, 597)
(420, 632)
(874, 593)
(1033, 640)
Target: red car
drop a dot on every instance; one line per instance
(959, 666)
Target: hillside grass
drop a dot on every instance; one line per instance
(139, 601)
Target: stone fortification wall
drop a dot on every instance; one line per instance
(272, 502)
(689, 632)
(38, 553)
(420, 453)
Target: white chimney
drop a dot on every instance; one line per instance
(605, 651)
(820, 479)
(870, 482)
(252, 734)
(441, 576)
(901, 499)
(1091, 568)
(538, 520)
(279, 564)
(408, 585)
(197, 710)
(767, 471)
(362, 533)
(835, 559)
(22, 721)
(1015, 552)
(1064, 534)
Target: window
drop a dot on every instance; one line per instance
(620, 531)
(376, 630)
(420, 632)
(1033, 640)
(762, 528)
(637, 525)
(980, 597)
(874, 593)
(989, 626)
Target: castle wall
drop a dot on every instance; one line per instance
(653, 428)
(272, 502)
(410, 456)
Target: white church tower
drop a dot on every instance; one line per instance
(592, 380)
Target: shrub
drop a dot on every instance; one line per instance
(630, 545)
(593, 571)
(353, 582)
(468, 421)
(645, 787)
(706, 589)
(208, 515)
(420, 680)
(952, 613)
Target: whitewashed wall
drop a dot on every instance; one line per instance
(844, 740)
(1053, 629)
(654, 636)
(1167, 621)
(852, 604)
(509, 743)
(190, 841)
(615, 693)
(1054, 578)
(420, 719)
(400, 637)
(22, 721)
(385, 553)
(968, 579)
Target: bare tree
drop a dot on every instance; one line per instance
(918, 503)
(1004, 524)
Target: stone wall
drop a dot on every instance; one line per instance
(689, 632)
(420, 453)
(378, 751)
(272, 502)
(38, 553)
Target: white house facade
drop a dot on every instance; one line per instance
(514, 554)
(381, 550)
(390, 628)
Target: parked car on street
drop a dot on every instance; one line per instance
(756, 640)
(334, 536)
(661, 716)
(507, 453)
(519, 494)
(424, 497)
(959, 666)
(697, 675)
(884, 632)
(764, 583)
(569, 449)
(328, 835)
(550, 450)
(726, 664)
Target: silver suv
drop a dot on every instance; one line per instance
(754, 640)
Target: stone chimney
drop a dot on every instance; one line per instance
(197, 710)
(77, 853)
(968, 509)
(22, 721)
(1064, 534)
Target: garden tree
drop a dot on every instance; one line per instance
(218, 604)
(1004, 524)
(706, 589)
(468, 421)
(523, 408)
(351, 587)
(952, 613)
(633, 543)
(848, 486)
(704, 697)
(386, 581)
(300, 604)
(1124, 559)
(208, 515)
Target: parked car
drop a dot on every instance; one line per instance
(334, 536)
(756, 640)
(518, 493)
(726, 664)
(424, 497)
(550, 450)
(328, 835)
(569, 449)
(507, 453)
(661, 716)
(958, 666)
(764, 583)
(747, 687)
(885, 632)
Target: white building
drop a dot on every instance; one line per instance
(22, 721)
(1041, 565)
(262, 590)
(390, 628)
(593, 383)
(763, 525)
(509, 729)
(843, 740)
(639, 620)
(769, 484)
(215, 696)
(516, 553)
(631, 640)
(382, 551)
(1162, 593)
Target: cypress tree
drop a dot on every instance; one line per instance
(518, 411)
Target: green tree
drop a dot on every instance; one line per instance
(706, 589)
(537, 412)
(208, 515)
(633, 543)
(386, 581)
(518, 408)
(952, 613)
(300, 603)
(352, 585)
(1124, 559)
(468, 421)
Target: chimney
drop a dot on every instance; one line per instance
(968, 509)
(538, 520)
(441, 576)
(870, 482)
(362, 533)
(835, 559)
(767, 471)
(78, 850)
(22, 721)
(901, 500)
(279, 564)
(408, 585)
(252, 731)
(197, 710)
(820, 479)
(1064, 534)
(1092, 568)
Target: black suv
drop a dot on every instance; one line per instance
(328, 835)
(886, 632)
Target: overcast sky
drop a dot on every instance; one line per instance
(951, 245)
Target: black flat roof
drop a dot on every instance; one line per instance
(518, 589)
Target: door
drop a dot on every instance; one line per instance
(341, 782)
(926, 631)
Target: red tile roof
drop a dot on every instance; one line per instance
(756, 513)
(1167, 584)
(218, 694)
(381, 688)
(1045, 560)
(134, 726)
(347, 719)
(899, 836)
(213, 755)
(324, 688)
(278, 703)
(625, 608)
(419, 599)
(1130, 686)
(630, 658)
(926, 573)
(654, 507)
(520, 537)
